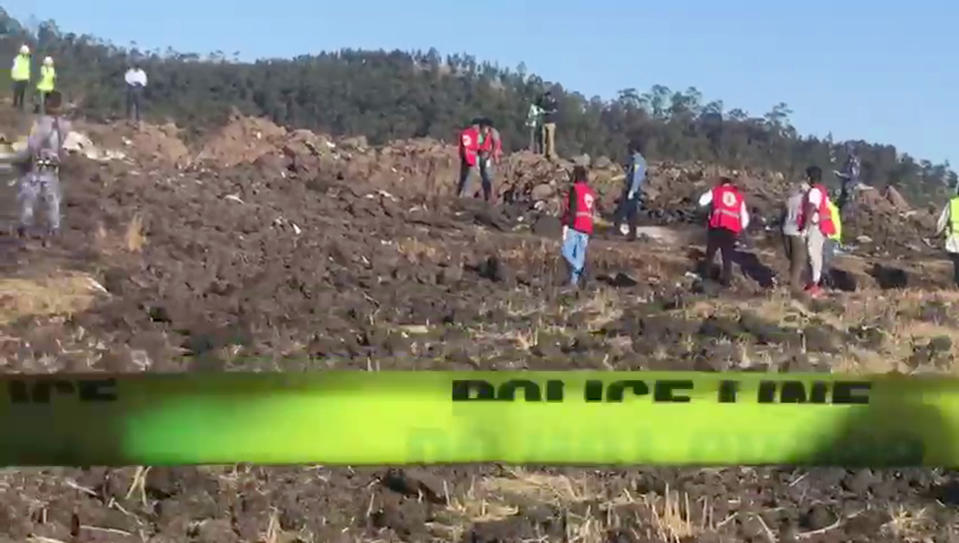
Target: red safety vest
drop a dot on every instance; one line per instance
(826, 225)
(469, 145)
(727, 209)
(585, 203)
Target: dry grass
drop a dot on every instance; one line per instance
(416, 250)
(134, 238)
(65, 295)
(908, 524)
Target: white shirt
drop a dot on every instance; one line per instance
(815, 198)
(136, 77)
(707, 198)
(952, 242)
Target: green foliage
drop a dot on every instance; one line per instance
(389, 95)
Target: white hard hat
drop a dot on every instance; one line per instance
(48, 61)
(24, 50)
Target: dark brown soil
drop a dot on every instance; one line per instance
(240, 269)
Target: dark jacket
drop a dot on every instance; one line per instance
(550, 108)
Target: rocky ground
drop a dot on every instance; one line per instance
(268, 249)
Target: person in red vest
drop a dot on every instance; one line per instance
(469, 154)
(578, 224)
(490, 153)
(727, 218)
(815, 223)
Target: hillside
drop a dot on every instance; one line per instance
(396, 95)
(227, 242)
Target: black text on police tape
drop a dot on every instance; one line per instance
(43, 390)
(663, 391)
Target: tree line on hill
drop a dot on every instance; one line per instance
(387, 95)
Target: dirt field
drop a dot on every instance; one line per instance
(295, 255)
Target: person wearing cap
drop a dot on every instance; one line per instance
(632, 196)
(20, 75)
(550, 109)
(949, 224)
(849, 177)
(136, 80)
(728, 217)
(41, 162)
(48, 80)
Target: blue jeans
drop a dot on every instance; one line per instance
(574, 251)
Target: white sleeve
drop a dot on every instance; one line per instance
(745, 216)
(144, 78)
(706, 198)
(815, 197)
(943, 219)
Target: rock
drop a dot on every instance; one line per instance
(495, 270)
(889, 277)
(940, 344)
(822, 339)
(818, 517)
(859, 482)
(450, 275)
(720, 327)
(415, 482)
(548, 226)
(543, 191)
(603, 163)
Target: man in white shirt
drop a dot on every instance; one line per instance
(816, 224)
(136, 80)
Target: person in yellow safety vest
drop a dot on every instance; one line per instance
(48, 80)
(20, 75)
(950, 218)
(833, 241)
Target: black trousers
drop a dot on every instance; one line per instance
(955, 267)
(628, 209)
(723, 241)
(19, 93)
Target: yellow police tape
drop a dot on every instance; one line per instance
(590, 417)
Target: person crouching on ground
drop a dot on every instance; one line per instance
(727, 218)
(41, 161)
(817, 225)
(578, 224)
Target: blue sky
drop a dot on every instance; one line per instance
(875, 70)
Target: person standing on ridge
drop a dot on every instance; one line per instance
(949, 224)
(849, 177)
(136, 80)
(48, 81)
(550, 115)
(578, 224)
(469, 147)
(727, 218)
(793, 240)
(815, 222)
(41, 159)
(490, 153)
(632, 196)
(20, 75)
(534, 122)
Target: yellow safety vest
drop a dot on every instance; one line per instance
(48, 76)
(836, 220)
(21, 68)
(954, 215)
